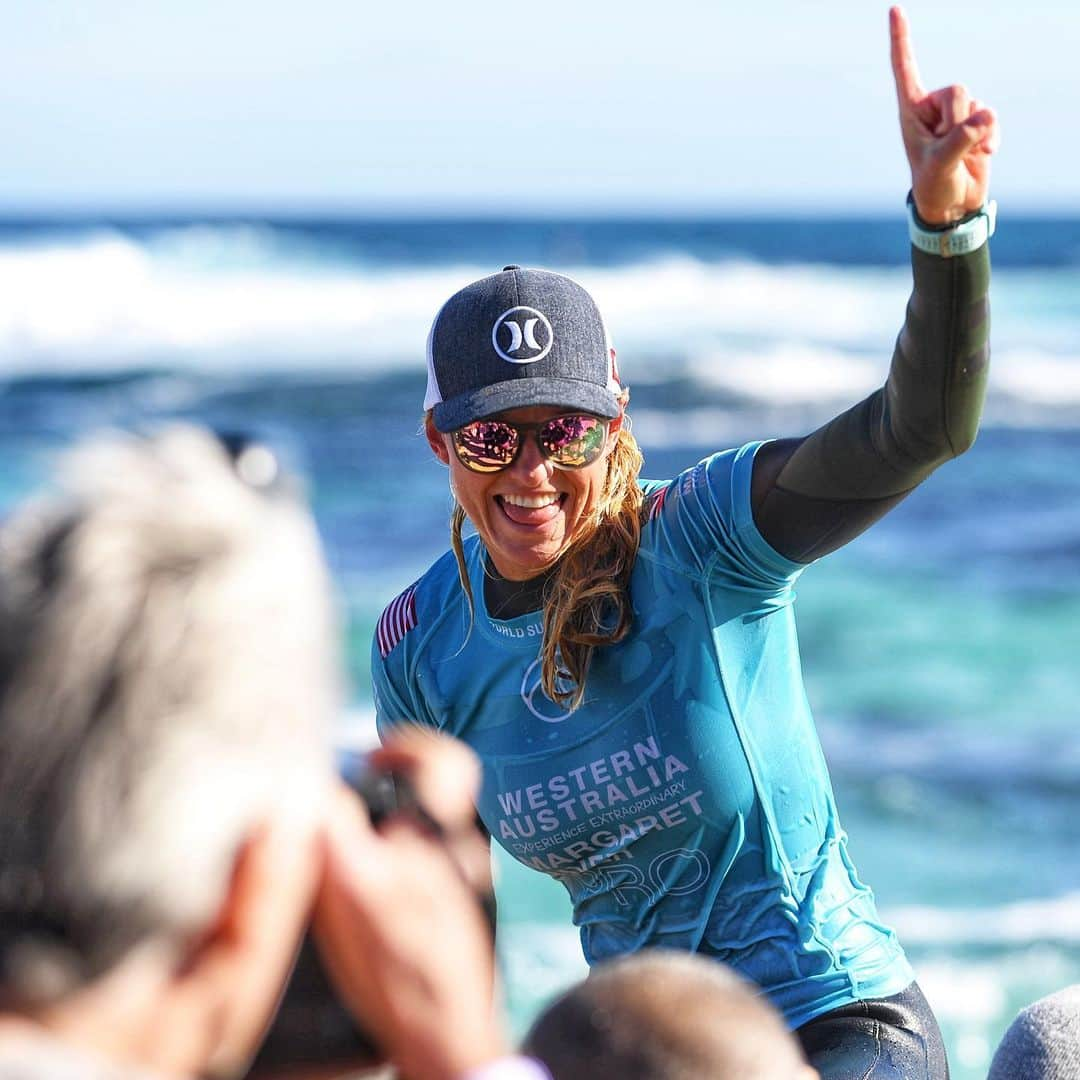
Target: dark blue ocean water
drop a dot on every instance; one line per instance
(939, 649)
(389, 243)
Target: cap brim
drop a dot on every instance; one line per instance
(521, 393)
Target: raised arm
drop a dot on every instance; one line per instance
(812, 495)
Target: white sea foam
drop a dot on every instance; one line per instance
(1053, 920)
(108, 302)
(679, 307)
(240, 299)
(198, 294)
(1038, 378)
(1045, 751)
(789, 372)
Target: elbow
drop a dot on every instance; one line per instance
(963, 440)
(927, 453)
(918, 450)
(928, 437)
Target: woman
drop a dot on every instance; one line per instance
(621, 653)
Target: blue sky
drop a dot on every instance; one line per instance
(561, 106)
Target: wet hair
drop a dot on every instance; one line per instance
(587, 598)
(167, 681)
(664, 1015)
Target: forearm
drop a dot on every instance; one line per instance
(815, 495)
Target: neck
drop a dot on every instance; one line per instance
(506, 599)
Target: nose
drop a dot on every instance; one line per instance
(531, 466)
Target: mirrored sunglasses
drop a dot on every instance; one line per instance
(568, 442)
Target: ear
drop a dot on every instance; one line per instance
(436, 440)
(614, 427)
(234, 975)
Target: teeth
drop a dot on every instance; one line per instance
(530, 502)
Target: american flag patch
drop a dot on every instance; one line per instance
(396, 621)
(656, 504)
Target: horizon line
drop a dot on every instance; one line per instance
(15, 213)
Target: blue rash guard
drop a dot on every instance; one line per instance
(686, 803)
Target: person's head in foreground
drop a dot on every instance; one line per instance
(166, 686)
(525, 406)
(1043, 1042)
(665, 1015)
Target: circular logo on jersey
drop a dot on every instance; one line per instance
(522, 335)
(536, 701)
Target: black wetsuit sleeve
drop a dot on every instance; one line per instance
(812, 495)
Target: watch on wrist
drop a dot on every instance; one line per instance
(957, 237)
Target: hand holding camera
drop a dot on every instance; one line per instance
(403, 922)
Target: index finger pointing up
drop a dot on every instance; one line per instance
(905, 71)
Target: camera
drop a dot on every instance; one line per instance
(311, 1025)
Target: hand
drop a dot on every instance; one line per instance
(948, 136)
(445, 775)
(402, 933)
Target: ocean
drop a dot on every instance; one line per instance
(939, 649)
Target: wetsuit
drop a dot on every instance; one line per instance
(686, 802)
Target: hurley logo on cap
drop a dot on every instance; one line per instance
(522, 335)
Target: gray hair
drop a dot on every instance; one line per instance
(167, 681)
(1043, 1042)
(664, 1015)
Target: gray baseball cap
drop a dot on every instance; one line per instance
(517, 338)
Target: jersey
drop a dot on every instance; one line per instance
(686, 802)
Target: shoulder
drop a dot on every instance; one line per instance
(722, 475)
(422, 605)
(702, 523)
(397, 619)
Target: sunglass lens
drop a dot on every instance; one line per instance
(573, 441)
(486, 445)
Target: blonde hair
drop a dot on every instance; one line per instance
(587, 600)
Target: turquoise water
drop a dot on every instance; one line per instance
(938, 649)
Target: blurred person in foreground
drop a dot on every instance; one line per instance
(622, 653)
(665, 1015)
(169, 814)
(1043, 1042)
